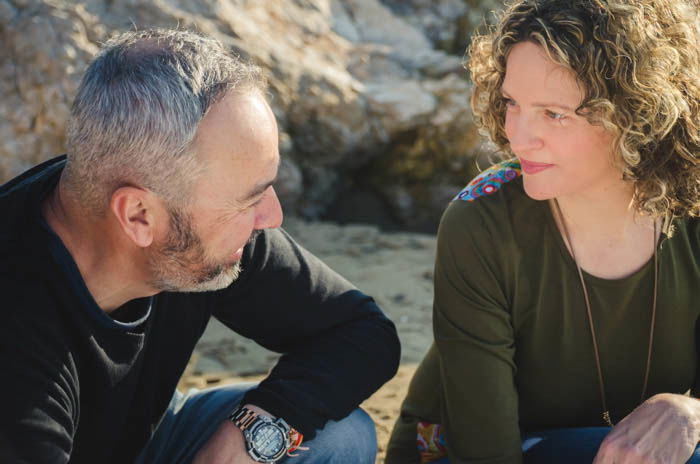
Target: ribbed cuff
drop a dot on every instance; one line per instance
(280, 407)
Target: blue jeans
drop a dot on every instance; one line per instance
(192, 418)
(573, 446)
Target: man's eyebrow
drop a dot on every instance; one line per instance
(259, 189)
(542, 105)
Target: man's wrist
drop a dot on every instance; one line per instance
(296, 437)
(267, 439)
(259, 411)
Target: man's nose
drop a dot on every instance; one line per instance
(269, 215)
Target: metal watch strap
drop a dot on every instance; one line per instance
(251, 423)
(243, 417)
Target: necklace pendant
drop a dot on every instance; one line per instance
(606, 418)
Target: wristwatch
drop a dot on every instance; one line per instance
(266, 439)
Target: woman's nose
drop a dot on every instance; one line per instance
(522, 134)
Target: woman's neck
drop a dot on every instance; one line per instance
(606, 211)
(609, 238)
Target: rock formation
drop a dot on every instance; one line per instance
(368, 93)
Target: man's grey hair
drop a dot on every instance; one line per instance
(135, 117)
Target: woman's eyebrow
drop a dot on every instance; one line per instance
(542, 105)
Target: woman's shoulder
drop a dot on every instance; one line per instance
(684, 244)
(491, 202)
(491, 181)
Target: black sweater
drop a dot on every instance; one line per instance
(79, 386)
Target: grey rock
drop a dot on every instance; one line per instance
(400, 105)
(290, 183)
(7, 12)
(342, 22)
(45, 48)
(358, 86)
(446, 23)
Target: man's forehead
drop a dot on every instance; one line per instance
(241, 127)
(243, 106)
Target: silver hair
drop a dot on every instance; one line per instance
(135, 117)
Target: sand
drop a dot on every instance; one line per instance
(395, 268)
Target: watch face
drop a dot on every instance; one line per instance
(268, 440)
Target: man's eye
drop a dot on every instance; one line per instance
(258, 201)
(553, 115)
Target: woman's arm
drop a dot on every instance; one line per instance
(665, 428)
(475, 339)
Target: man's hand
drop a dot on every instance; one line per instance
(663, 429)
(227, 445)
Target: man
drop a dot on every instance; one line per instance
(113, 258)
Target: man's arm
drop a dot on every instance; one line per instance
(38, 388)
(338, 346)
(226, 445)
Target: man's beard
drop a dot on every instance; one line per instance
(181, 263)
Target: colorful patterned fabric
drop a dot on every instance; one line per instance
(490, 180)
(431, 443)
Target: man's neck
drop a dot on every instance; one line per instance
(109, 273)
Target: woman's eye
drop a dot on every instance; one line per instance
(508, 101)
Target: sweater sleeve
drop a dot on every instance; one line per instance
(475, 339)
(338, 347)
(40, 412)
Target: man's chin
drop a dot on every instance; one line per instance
(216, 280)
(220, 281)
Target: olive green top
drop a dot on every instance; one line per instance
(513, 350)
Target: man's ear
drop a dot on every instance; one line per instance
(136, 210)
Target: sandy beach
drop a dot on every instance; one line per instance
(395, 268)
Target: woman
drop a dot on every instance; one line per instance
(566, 277)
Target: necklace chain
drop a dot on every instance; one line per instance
(606, 411)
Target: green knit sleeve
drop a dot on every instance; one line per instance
(475, 338)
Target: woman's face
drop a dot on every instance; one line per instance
(561, 153)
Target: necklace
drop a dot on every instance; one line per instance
(606, 411)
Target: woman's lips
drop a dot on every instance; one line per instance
(530, 167)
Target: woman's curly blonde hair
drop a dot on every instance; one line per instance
(639, 63)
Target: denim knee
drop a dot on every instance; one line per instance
(350, 440)
(363, 437)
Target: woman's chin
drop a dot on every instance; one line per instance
(537, 193)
